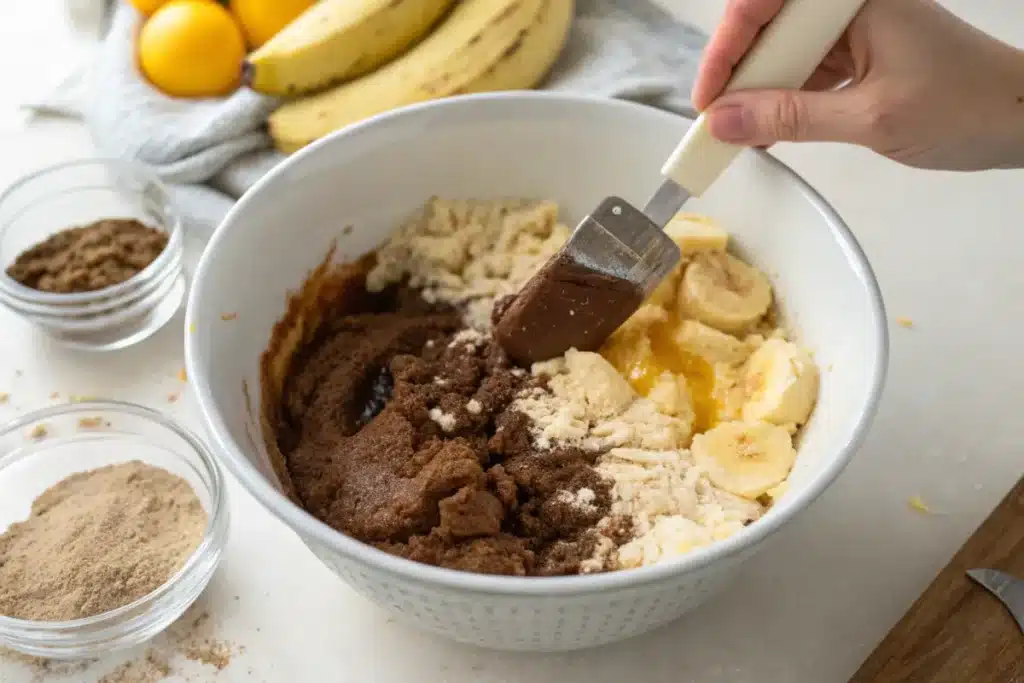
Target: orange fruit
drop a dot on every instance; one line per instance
(262, 19)
(192, 48)
(147, 7)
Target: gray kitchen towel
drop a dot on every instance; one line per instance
(210, 151)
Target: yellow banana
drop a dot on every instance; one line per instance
(337, 40)
(483, 45)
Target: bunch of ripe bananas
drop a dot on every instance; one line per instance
(342, 61)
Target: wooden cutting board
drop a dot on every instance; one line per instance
(957, 632)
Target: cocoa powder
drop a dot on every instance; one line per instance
(89, 258)
(396, 428)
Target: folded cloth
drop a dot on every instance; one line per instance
(210, 151)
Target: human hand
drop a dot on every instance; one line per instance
(919, 86)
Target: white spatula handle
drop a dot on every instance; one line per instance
(785, 55)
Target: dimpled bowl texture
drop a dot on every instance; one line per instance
(576, 150)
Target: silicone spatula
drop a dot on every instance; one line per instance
(618, 254)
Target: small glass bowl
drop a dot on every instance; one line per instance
(84, 436)
(76, 194)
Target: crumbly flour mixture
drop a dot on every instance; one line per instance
(397, 419)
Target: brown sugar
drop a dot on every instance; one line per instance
(397, 429)
(98, 540)
(89, 258)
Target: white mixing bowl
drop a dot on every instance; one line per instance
(575, 150)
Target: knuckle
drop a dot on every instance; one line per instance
(788, 118)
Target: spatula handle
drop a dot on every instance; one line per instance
(785, 55)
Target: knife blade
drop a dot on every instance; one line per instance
(1008, 589)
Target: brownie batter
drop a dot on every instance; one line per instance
(396, 429)
(563, 306)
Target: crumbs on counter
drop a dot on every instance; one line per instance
(4, 397)
(92, 423)
(183, 375)
(228, 316)
(917, 503)
(43, 670)
(906, 323)
(54, 396)
(173, 397)
(82, 398)
(189, 642)
(150, 668)
(39, 432)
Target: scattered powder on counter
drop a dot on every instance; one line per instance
(470, 253)
(89, 258)
(917, 503)
(192, 638)
(150, 668)
(38, 432)
(905, 322)
(43, 670)
(98, 540)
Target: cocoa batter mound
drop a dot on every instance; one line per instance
(396, 429)
(89, 258)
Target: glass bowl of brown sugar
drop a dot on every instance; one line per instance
(113, 520)
(91, 252)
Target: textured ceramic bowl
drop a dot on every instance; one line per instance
(122, 432)
(575, 150)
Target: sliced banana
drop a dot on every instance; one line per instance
(722, 291)
(781, 384)
(710, 344)
(745, 458)
(665, 294)
(695, 233)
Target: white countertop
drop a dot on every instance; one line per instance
(947, 249)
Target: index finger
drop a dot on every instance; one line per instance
(742, 21)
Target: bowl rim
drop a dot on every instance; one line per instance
(174, 228)
(209, 543)
(310, 528)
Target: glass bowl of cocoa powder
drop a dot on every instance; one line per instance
(91, 252)
(113, 519)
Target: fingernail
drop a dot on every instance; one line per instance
(731, 123)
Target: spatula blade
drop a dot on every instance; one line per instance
(620, 241)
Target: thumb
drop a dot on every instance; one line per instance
(758, 118)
